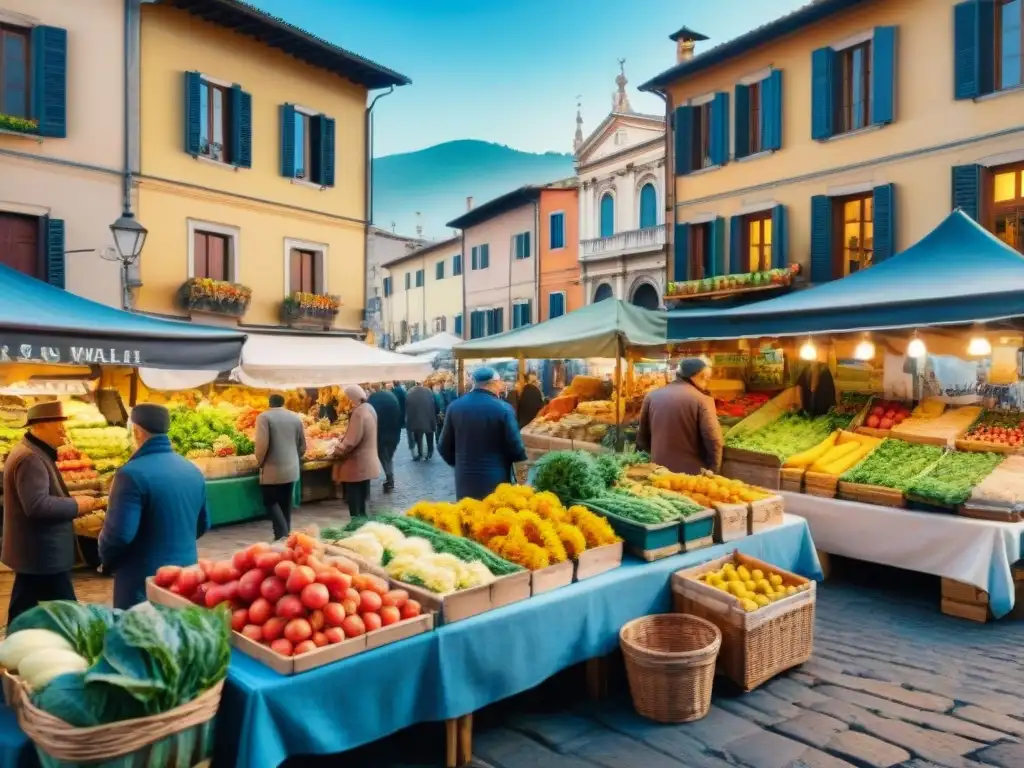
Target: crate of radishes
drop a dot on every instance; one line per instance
(293, 607)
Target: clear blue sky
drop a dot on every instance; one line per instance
(509, 71)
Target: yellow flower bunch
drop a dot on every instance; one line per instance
(317, 301)
(441, 515)
(596, 530)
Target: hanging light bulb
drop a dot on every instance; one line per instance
(808, 351)
(865, 350)
(916, 347)
(979, 346)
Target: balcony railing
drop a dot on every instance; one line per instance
(635, 240)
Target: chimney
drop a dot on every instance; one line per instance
(686, 40)
(469, 203)
(419, 225)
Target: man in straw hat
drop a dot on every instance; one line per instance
(157, 509)
(678, 423)
(39, 534)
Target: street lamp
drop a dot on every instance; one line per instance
(129, 237)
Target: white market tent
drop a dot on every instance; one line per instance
(285, 361)
(439, 342)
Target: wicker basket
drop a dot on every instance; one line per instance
(670, 664)
(181, 736)
(755, 646)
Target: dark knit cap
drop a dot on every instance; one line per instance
(154, 419)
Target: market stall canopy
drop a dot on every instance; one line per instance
(958, 273)
(40, 323)
(284, 361)
(604, 329)
(439, 342)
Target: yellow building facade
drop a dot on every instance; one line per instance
(253, 162)
(842, 133)
(423, 293)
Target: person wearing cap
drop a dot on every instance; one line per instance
(39, 534)
(480, 437)
(280, 445)
(356, 460)
(678, 423)
(156, 511)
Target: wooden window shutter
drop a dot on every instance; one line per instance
(193, 108)
(50, 80)
(718, 247)
(681, 253)
(56, 268)
(821, 239)
(741, 122)
(822, 94)
(885, 222)
(737, 263)
(324, 147)
(720, 129)
(973, 42)
(683, 140)
(771, 111)
(241, 127)
(288, 141)
(967, 189)
(780, 238)
(883, 76)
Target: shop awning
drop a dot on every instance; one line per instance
(958, 273)
(43, 324)
(439, 342)
(604, 329)
(285, 361)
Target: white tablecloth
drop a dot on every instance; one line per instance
(976, 552)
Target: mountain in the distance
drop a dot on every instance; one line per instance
(437, 180)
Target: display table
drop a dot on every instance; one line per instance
(16, 750)
(975, 552)
(238, 499)
(462, 667)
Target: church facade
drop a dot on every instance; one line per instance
(620, 170)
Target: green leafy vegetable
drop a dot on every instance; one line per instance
(568, 475)
(84, 625)
(608, 468)
(894, 464)
(790, 434)
(952, 479)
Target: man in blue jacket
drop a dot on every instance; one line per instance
(481, 438)
(157, 509)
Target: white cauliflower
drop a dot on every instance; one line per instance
(478, 574)
(418, 572)
(387, 535)
(414, 546)
(364, 545)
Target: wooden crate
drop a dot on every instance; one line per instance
(552, 577)
(765, 472)
(698, 530)
(292, 665)
(465, 603)
(765, 514)
(591, 562)
(732, 522)
(650, 542)
(980, 446)
(821, 484)
(872, 494)
(965, 601)
(791, 479)
(756, 646)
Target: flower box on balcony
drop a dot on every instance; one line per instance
(12, 124)
(202, 294)
(314, 307)
(731, 285)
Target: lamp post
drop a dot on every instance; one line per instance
(129, 237)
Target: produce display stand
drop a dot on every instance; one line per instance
(316, 482)
(761, 469)
(239, 499)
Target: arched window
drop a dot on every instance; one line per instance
(607, 215)
(604, 291)
(645, 296)
(648, 206)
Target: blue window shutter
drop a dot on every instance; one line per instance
(967, 189)
(648, 206)
(473, 258)
(780, 238)
(718, 247)
(741, 130)
(439, 271)
(822, 94)
(241, 127)
(49, 97)
(681, 254)
(607, 215)
(973, 55)
(683, 145)
(526, 245)
(528, 312)
(821, 239)
(771, 111)
(193, 128)
(737, 263)
(884, 222)
(323, 130)
(458, 325)
(287, 141)
(883, 75)
(485, 256)
(720, 129)
(56, 272)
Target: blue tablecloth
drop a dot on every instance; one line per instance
(461, 667)
(15, 749)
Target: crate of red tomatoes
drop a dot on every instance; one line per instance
(881, 416)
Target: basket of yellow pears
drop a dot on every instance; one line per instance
(766, 614)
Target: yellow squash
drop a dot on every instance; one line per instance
(811, 455)
(834, 455)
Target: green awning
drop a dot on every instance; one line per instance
(604, 329)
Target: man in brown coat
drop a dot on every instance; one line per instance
(678, 424)
(356, 460)
(39, 534)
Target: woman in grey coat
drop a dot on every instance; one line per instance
(420, 420)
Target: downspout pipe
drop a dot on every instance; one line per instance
(368, 202)
(670, 187)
